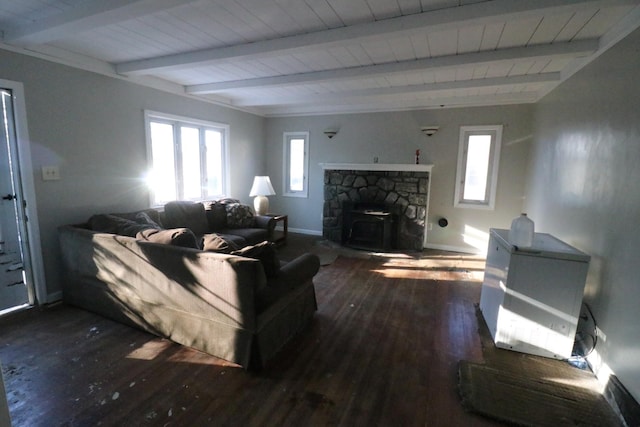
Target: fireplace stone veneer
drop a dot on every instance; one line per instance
(405, 187)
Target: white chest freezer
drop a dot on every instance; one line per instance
(531, 298)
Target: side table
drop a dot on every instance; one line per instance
(279, 237)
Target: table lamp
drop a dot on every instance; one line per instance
(260, 189)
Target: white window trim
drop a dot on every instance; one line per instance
(465, 131)
(150, 115)
(285, 172)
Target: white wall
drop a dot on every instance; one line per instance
(394, 137)
(583, 188)
(92, 127)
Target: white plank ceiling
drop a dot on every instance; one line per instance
(291, 57)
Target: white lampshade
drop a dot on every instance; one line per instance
(261, 188)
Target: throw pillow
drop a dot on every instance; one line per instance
(216, 243)
(239, 216)
(266, 253)
(227, 201)
(176, 237)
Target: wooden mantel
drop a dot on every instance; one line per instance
(376, 167)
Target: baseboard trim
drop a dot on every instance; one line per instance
(53, 297)
(465, 250)
(305, 231)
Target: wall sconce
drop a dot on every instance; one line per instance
(429, 130)
(330, 133)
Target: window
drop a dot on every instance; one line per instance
(477, 173)
(296, 164)
(187, 158)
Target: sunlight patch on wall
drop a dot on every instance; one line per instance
(585, 159)
(476, 238)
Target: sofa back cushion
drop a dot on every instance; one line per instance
(145, 216)
(115, 224)
(184, 214)
(216, 216)
(216, 243)
(176, 236)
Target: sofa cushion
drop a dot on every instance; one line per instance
(266, 253)
(143, 217)
(107, 223)
(217, 243)
(153, 214)
(239, 215)
(251, 236)
(216, 216)
(187, 214)
(176, 236)
(237, 240)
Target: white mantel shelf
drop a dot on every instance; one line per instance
(376, 167)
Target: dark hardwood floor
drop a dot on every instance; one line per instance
(382, 350)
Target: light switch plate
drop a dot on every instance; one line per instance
(50, 173)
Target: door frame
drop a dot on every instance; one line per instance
(25, 189)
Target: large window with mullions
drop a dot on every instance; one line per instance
(187, 158)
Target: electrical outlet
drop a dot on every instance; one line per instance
(50, 173)
(429, 226)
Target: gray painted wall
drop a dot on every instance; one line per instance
(92, 127)
(394, 137)
(583, 188)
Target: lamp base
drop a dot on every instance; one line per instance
(261, 205)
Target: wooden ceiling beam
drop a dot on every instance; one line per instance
(556, 50)
(431, 88)
(429, 22)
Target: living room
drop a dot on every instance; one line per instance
(570, 160)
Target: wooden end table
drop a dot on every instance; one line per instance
(280, 237)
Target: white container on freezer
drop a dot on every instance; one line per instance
(522, 231)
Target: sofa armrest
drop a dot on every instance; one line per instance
(267, 223)
(264, 221)
(299, 270)
(296, 274)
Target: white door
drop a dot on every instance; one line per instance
(14, 292)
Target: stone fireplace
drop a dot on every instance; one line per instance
(400, 189)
